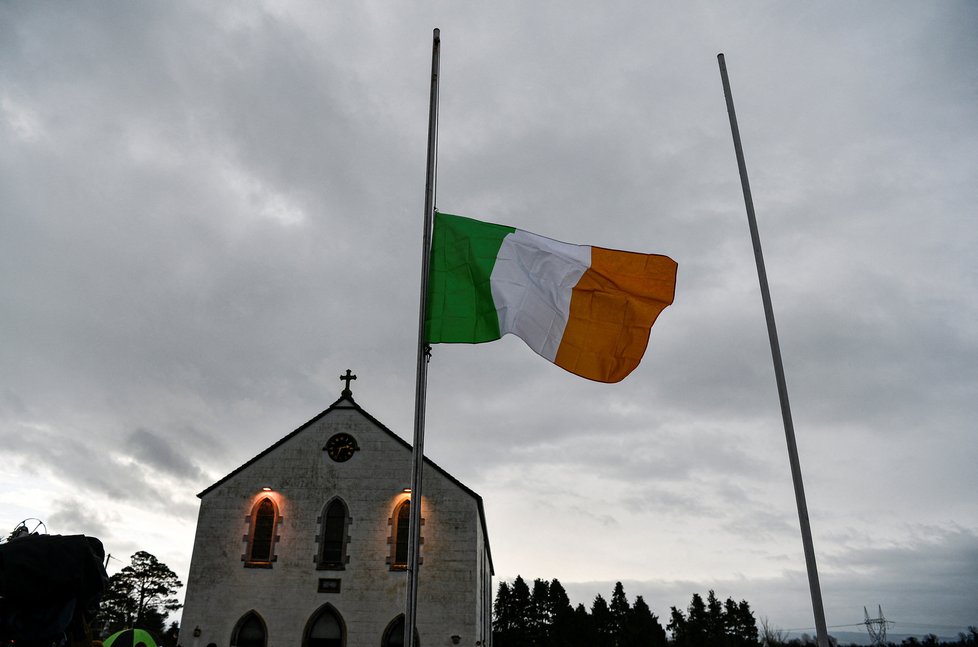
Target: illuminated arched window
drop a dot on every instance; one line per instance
(249, 632)
(400, 522)
(332, 546)
(325, 629)
(394, 634)
(261, 538)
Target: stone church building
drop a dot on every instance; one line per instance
(305, 545)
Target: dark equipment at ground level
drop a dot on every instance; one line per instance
(50, 586)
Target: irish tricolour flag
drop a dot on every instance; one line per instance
(587, 309)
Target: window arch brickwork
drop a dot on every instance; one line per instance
(262, 524)
(398, 540)
(333, 536)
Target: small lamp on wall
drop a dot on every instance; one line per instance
(456, 639)
(197, 631)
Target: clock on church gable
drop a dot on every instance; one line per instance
(340, 447)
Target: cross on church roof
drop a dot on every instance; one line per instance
(346, 378)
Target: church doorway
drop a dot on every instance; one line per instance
(249, 632)
(394, 635)
(325, 629)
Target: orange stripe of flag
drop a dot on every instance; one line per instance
(612, 310)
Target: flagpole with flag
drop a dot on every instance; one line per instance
(417, 454)
(789, 430)
(585, 308)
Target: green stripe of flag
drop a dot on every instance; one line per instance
(460, 304)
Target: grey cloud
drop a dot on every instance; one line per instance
(158, 452)
(86, 467)
(72, 516)
(74, 460)
(939, 604)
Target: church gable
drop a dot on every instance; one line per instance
(343, 418)
(319, 518)
(301, 497)
(284, 460)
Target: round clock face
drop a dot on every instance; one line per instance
(340, 447)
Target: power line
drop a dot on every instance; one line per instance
(928, 624)
(856, 624)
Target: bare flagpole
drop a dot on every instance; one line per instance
(417, 454)
(789, 430)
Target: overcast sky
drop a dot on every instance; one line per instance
(209, 211)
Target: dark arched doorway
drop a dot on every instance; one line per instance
(394, 634)
(325, 629)
(250, 631)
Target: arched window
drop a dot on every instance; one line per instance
(249, 632)
(400, 523)
(394, 634)
(332, 547)
(325, 629)
(261, 538)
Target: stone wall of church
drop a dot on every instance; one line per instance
(455, 578)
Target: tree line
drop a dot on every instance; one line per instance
(544, 617)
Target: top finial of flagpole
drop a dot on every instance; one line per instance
(437, 34)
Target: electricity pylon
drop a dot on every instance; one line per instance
(876, 627)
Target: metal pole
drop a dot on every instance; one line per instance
(789, 431)
(417, 454)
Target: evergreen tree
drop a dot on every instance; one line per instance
(697, 623)
(562, 629)
(503, 617)
(538, 614)
(715, 626)
(642, 629)
(740, 624)
(585, 634)
(604, 627)
(521, 609)
(731, 621)
(678, 626)
(619, 614)
(746, 624)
